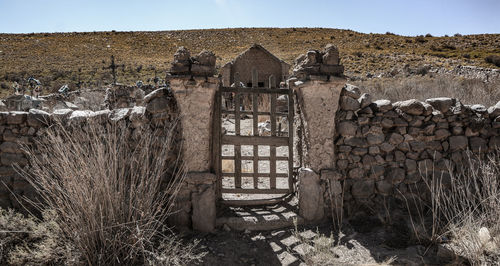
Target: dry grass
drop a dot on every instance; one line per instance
(466, 90)
(79, 58)
(472, 205)
(111, 192)
(461, 207)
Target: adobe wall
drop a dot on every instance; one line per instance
(256, 58)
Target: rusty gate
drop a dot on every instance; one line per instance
(253, 142)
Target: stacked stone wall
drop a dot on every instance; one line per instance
(384, 149)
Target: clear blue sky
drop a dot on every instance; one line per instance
(415, 17)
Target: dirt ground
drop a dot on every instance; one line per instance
(363, 243)
(246, 129)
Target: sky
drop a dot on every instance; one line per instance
(437, 17)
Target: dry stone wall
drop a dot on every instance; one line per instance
(385, 148)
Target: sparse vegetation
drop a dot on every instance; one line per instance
(493, 59)
(421, 88)
(110, 192)
(57, 58)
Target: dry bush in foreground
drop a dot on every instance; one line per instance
(471, 209)
(111, 192)
(463, 210)
(468, 91)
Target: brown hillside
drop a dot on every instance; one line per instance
(59, 58)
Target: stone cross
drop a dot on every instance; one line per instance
(113, 68)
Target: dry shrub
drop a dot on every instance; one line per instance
(493, 59)
(468, 91)
(464, 207)
(111, 191)
(471, 205)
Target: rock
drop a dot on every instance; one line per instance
(395, 139)
(36, 118)
(310, 195)
(359, 151)
(347, 128)
(381, 105)
(478, 108)
(425, 167)
(374, 150)
(9, 159)
(363, 189)
(365, 100)
(356, 173)
(356, 142)
(494, 110)
(80, 115)
(442, 134)
(412, 107)
(118, 114)
(386, 147)
(10, 147)
(417, 146)
(395, 175)
(494, 143)
(441, 104)
(483, 235)
(16, 117)
(387, 123)
(478, 144)
(331, 55)
(374, 139)
(348, 103)
(204, 211)
(458, 143)
(384, 187)
(157, 105)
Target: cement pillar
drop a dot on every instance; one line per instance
(195, 98)
(317, 103)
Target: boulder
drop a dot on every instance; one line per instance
(458, 143)
(412, 107)
(310, 196)
(442, 104)
(347, 128)
(381, 105)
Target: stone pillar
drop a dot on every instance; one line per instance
(317, 103)
(195, 98)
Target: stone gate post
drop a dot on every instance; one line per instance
(317, 83)
(194, 87)
(195, 98)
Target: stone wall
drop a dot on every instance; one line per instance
(24, 128)
(385, 149)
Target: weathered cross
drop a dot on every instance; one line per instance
(113, 68)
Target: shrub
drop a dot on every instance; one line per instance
(493, 59)
(111, 191)
(420, 39)
(428, 35)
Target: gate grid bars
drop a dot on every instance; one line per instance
(237, 140)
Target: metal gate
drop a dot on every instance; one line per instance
(254, 158)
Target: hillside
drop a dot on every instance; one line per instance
(59, 58)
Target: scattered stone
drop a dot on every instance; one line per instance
(441, 104)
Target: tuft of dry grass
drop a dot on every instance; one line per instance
(468, 91)
(111, 192)
(463, 210)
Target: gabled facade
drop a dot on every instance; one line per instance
(257, 57)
